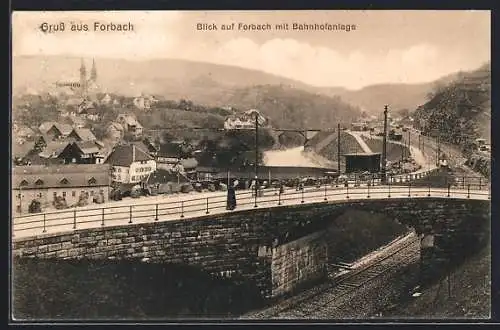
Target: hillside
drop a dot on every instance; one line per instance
(174, 79)
(202, 83)
(398, 96)
(285, 101)
(460, 111)
(289, 107)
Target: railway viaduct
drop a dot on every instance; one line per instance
(277, 249)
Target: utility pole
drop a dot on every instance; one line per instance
(20, 199)
(384, 148)
(438, 150)
(338, 147)
(409, 143)
(256, 156)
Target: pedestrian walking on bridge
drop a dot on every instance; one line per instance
(231, 196)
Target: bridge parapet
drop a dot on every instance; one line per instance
(246, 244)
(70, 220)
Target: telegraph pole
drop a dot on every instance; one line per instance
(438, 150)
(384, 147)
(338, 147)
(409, 143)
(256, 156)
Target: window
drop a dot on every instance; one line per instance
(19, 196)
(39, 182)
(73, 193)
(39, 195)
(24, 183)
(119, 169)
(101, 192)
(92, 180)
(64, 194)
(91, 193)
(55, 194)
(64, 181)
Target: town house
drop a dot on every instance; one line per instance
(130, 164)
(59, 131)
(82, 134)
(130, 125)
(81, 152)
(74, 183)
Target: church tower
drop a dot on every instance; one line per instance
(93, 72)
(83, 80)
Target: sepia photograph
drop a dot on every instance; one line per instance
(319, 165)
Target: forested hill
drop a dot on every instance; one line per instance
(288, 107)
(461, 110)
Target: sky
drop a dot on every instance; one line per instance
(383, 47)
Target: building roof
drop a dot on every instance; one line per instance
(65, 129)
(84, 134)
(115, 125)
(164, 176)
(22, 149)
(88, 147)
(59, 176)
(45, 126)
(145, 146)
(44, 137)
(78, 120)
(54, 148)
(124, 155)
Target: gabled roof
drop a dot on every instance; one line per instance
(54, 149)
(125, 155)
(76, 175)
(22, 149)
(45, 126)
(145, 146)
(83, 134)
(88, 147)
(65, 129)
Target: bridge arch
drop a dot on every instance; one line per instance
(248, 243)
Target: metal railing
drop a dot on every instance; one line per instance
(69, 220)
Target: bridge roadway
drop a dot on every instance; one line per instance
(215, 204)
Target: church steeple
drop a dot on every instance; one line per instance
(83, 79)
(93, 72)
(83, 70)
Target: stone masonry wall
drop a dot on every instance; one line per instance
(298, 262)
(238, 244)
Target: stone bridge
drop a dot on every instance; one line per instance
(278, 248)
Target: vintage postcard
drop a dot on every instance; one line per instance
(250, 165)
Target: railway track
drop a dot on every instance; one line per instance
(335, 292)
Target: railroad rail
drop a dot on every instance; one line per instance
(330, 294)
